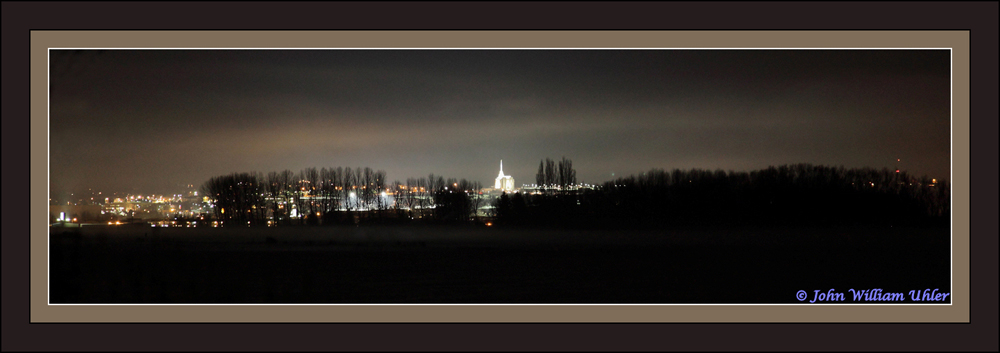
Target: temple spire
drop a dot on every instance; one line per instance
(504, 182)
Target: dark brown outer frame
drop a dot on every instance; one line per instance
(979, 19)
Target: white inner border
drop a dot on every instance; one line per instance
(951, 193)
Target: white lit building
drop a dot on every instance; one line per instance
(504, 182)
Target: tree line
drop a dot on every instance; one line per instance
(337, 195)
(552, 176)
(789, 194)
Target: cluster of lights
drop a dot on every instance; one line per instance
(63, 218)
(174, 224)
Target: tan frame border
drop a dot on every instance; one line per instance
(958, 41)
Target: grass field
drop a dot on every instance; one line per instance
(459, 264)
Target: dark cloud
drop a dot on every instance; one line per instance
(152, 119)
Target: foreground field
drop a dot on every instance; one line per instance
(442, 264)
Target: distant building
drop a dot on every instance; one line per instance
(504, 182)
(82, 213)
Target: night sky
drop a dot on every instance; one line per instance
(152, 121)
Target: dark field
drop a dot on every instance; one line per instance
(451, 264)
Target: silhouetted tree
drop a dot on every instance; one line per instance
(326, 191)
(423, 194)
(237, 199)
(540, 176)
(347, 192)
(567, 175)
(379, 192)
(502, 208)
(309, 178)
(398, 193)
(550, 173)
(475, 198)
(408, 197)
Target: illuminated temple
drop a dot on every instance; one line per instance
(504, 182)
